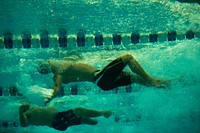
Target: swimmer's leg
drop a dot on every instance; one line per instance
(141, 75)
(85, 112)
(89, 121)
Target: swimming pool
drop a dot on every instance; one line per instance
(137, 108)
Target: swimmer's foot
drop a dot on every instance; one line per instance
(159, 83)
(107, 113)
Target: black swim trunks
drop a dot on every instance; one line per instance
(65, 119)
(113, 76)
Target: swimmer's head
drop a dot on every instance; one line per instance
(44, 67)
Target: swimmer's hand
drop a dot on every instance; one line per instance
(48, 99)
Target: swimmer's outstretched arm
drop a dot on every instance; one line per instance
(57, 85)
(56, 88)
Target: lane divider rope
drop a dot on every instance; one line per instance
(7, 124)
(81, 39)
(73, 90)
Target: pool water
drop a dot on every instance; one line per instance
(143, 109)
(175, 109)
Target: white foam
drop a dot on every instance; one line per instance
(37, 94)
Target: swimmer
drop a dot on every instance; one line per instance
(49, 116)
(110, 77)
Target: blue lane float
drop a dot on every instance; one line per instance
(98, 39)
(117, 39)
(135, 38)
(1, 91)
(62, 40)
(171, 36)
(26, 40)
(81, 38)
(8, 39)
(153, 38)
(44, 39)
(189, 34)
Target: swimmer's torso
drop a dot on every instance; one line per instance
(41, 116)
(76, 71)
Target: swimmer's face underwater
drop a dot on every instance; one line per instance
(44, 67)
